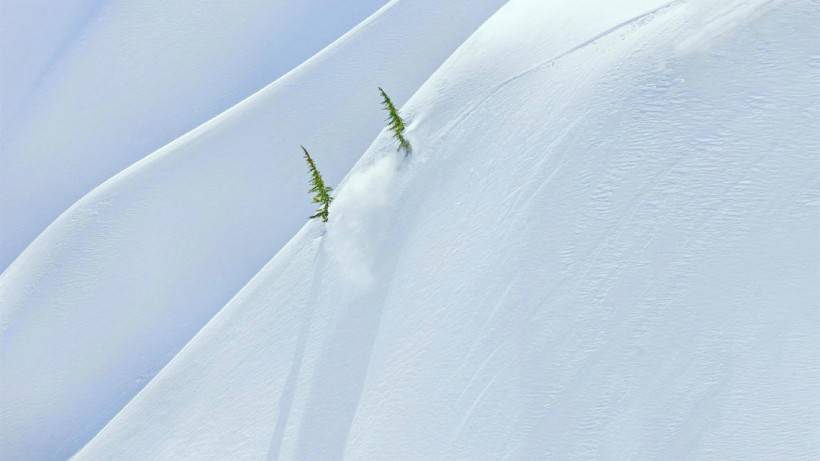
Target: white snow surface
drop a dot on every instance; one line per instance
(604, 245)
(89, 87)
(131, 272)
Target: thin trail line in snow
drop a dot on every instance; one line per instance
(590, 41)
(469, 413)
(482, 331)
(542, 64)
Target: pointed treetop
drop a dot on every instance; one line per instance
(396, 123)
(321, 192)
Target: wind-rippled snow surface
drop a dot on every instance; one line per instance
(604, 245)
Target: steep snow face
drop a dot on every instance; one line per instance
(106, 83)
(604, 246)
(123, 279)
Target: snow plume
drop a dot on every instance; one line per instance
(354, 229)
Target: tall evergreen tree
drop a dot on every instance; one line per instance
(395, 123)
(321, 192)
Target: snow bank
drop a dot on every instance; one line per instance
(601, 248)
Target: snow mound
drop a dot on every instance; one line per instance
(604, 246)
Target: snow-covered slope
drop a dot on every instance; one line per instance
(604, 246)
(32, 33)
(90, 87)
(123, 279)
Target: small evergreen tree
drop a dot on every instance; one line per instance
(318, 188)
(395, 123)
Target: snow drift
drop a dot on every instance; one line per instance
(604, 246)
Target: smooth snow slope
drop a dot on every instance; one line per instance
(32, 33)
(604, 246)
(122, 280)
(90, 95)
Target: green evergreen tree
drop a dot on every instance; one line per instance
(395, 123)
(318, 188)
